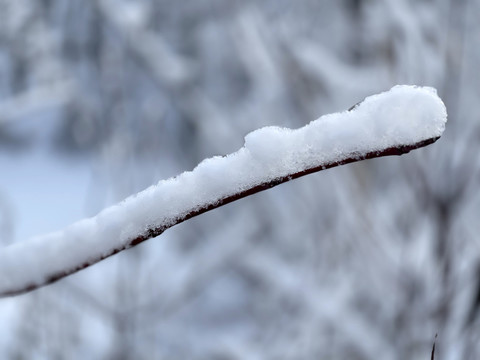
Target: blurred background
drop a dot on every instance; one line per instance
(101, 98)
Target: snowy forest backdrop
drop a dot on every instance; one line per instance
(101, 98)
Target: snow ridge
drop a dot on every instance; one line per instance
(402, 117)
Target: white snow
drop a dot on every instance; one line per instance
(405, 115)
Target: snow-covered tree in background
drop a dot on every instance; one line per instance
(368, 261)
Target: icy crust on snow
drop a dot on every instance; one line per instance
(405, 115)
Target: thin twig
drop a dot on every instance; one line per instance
(154, 232)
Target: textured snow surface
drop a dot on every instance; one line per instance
(405, 115)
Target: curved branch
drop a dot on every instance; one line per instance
(271, 156)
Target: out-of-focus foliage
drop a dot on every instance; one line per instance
(368, 261)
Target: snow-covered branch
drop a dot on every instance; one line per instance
(391, 123)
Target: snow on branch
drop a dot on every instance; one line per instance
(390, 123)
